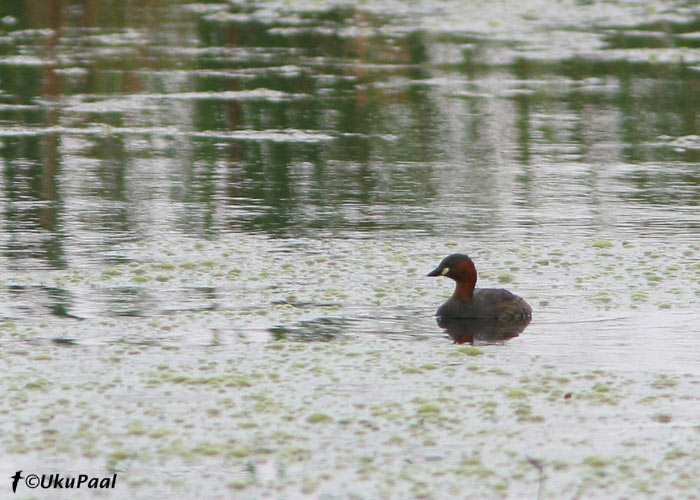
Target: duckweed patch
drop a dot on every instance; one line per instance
(675, 454)
(384, 401)
(664, 382)
(506, 278)
(428, 409)
(596, 461)
(662, 418)
(523, 413)
(222, 380)
(516, 394)
(467, 351)
(225, 408)
(318, 418)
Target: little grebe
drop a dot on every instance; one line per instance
(467, 302)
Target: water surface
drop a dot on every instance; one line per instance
(186, 181)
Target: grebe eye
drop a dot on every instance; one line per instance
(445, 270)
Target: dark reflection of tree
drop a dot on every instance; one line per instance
(291, 186)
(642, 101)
(343, 74)
(30, 217)
(347, 182)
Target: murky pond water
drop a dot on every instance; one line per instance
(217, 220)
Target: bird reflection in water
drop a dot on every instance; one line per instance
(482, 331)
